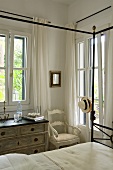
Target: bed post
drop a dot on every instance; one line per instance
(92, 117)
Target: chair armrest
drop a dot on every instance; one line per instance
(53, 131)
(76, 130)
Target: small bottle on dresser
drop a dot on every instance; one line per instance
(19, 110)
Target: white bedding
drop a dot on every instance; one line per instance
(87, 156)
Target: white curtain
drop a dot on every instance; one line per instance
(108, 106)
(100, 77)
(70, 78)
(108, 101)
(40, 67)
(109, 79)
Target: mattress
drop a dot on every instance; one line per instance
(86, 156)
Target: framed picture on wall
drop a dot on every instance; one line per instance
(55, 78)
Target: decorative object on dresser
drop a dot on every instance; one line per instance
(34, 116)
(4, 116)
(59, 135)
(26, 136)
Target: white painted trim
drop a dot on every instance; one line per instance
(9, 62)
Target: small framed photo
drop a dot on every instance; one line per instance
(55, 78)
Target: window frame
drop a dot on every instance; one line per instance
(87, 69)
(9, 66)
(79, 40)
(6, 65)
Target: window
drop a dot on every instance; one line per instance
(81, 79)
(14, 67)
(2, 67)
(84, 74)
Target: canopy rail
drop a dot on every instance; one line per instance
(93, 14)
(103, 30)
(48, 25)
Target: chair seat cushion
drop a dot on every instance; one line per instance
(65, 137)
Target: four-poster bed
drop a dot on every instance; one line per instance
(88, 156)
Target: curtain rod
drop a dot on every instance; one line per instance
(24, 16)
(6, 12)
(93, 14)
(48, 25)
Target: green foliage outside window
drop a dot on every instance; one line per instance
(18, 73)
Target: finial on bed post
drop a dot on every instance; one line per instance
(94, 28)
(92, 116)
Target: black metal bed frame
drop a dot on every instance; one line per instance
(92, 114)
(100, 127)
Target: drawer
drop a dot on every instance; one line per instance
(31, 150)
(13, 143)
(8, 132)
(9, 143)
(28, 129)
(26, 150)
(32, 140)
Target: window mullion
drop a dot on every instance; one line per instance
(7, 70)
(86, 67)
(11, 67)
(87, 81)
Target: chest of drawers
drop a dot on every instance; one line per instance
(26, 137)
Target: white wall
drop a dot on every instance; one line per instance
(56, 62)
(57, 14)
(81, 9)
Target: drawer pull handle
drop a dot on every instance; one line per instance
(18, 143)
(36, 139)
(36, 151)
(32, 129)
(2, 133)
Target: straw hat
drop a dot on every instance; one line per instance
(85, 105)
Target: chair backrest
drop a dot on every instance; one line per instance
(57, 120)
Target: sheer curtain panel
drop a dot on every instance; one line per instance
(40, 67)
(70, 78)
(109, 79)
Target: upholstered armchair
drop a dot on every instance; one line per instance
(60, 133)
